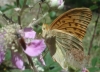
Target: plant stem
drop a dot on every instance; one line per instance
(35, 22)
(31, 63)
(18, 5)
(91, 42)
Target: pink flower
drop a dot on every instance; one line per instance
(2, 56)
(17, 60)
(34, 47)
(2, 52)
(29, 33)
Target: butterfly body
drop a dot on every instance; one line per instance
(64, 37)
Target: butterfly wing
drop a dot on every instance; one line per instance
(74, 21)
(69, 50)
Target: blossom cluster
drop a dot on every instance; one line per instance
(9, 40)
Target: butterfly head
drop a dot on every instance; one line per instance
(45, 29)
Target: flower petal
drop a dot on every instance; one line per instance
(60, 2)
(17, 61)
(35, 48)
(2, 52)
(2, 56)
(29, 33)
(53, 3)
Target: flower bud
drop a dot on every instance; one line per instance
(56, 3)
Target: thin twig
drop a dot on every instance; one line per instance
(7, 19)
(35, 22)
(23, 8)
(91, 42)
(31, 63)
(38, 12)
(18, 5)
(17, 1)
(41, 10)
(19, 19)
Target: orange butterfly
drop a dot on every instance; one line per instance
(64, 37)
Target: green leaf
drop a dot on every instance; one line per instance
(21, 3)
(6, 7)
(0, 25)
(44, 6)
(56, 68)
(15, 70)
(8, 55)
(48, 59)
(94, 69)
(51, 66)
(96, 47)
(94, 61)
(93, 7)
(37, 28)
(27, 70)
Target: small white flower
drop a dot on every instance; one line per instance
(53, 3)
(40, 69)
(12, 47)
(56, 3)
(61, 6)
(17, 9)
(16, 50)
(30, 6)
(34, 19)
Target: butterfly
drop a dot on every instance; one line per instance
(64, 37)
